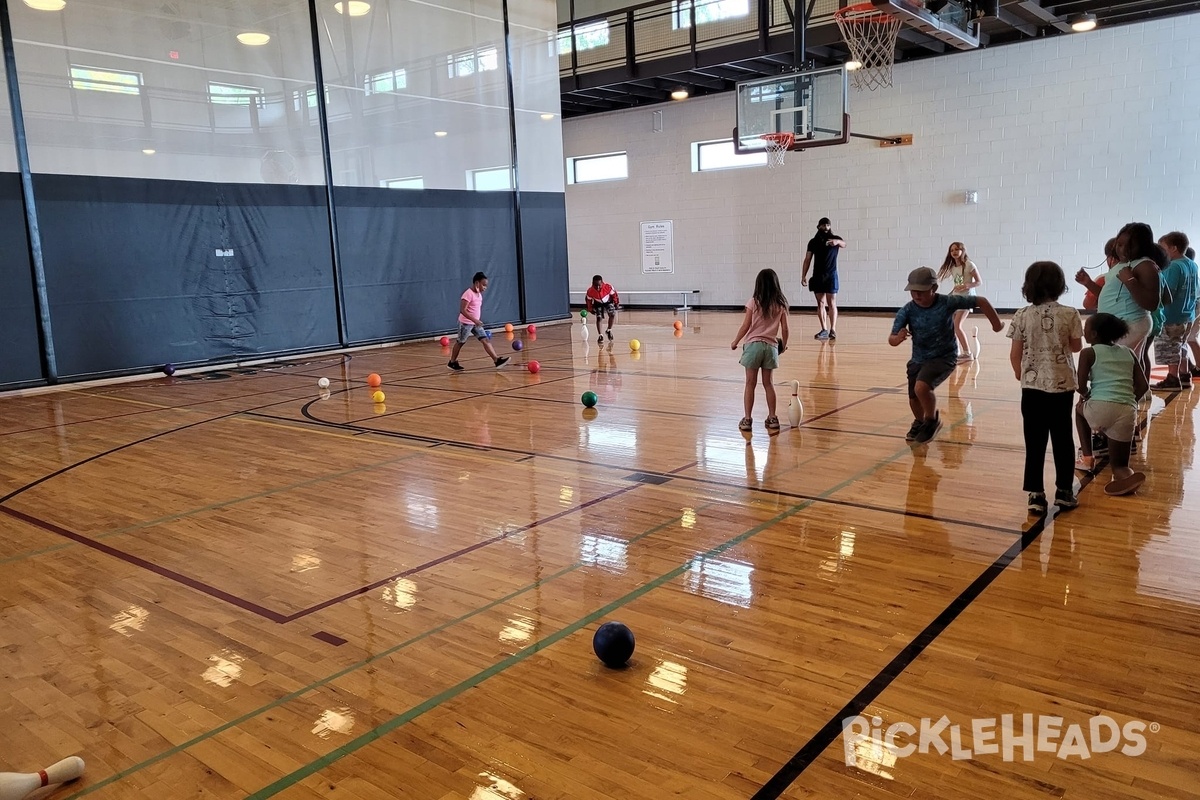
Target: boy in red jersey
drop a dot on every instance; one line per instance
(602, 299)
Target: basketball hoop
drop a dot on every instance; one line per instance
(777, 146)
(871, 35)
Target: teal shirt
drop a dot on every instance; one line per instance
(1182, 279)
(1116, 299)
(1112, 374)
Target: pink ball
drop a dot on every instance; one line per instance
(445, 341)
(532, 329)
(534, 366)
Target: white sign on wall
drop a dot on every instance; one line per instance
(658, 247)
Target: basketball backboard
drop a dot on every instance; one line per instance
(812, 105)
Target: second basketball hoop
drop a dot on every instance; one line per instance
(871, 34)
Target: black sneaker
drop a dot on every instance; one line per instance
(833, 334)
(1065, 498)
(914, 430)
(1099, 445)
(454, 365)
(609, 335)
(929, 428)
(1037, 503)
(500, 362)
(600, 340)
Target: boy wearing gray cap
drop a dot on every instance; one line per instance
(929, 319)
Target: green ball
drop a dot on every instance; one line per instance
(583, 312)
(589, 399)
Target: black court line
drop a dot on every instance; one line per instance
(828, 734)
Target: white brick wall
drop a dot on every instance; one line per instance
(1065, 139)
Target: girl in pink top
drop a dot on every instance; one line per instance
(765, 332)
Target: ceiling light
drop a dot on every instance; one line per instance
(852, 65)
(149, 151)
(547, 116)
(679, 94)
(253, 39)
(440, 133)
(46, 5)
(357, 8)
(1083, 22)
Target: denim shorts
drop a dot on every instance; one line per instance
(465, 329)
(759, 355)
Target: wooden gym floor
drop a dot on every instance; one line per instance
(226, 586)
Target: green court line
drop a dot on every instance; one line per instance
(287, 781)
(359, 665)
(438, 629)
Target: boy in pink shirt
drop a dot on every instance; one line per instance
(470, 309)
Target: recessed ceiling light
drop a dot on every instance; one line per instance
(440, 133)
(547, 116)
(679, 94)
(853, 65)
(1082, 23)
(149, 151)
(357, 8)
(46, 5)
(253, 39)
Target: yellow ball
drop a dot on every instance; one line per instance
(635, 345)
(378, 397)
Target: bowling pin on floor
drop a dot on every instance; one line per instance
(975, 336)
(796, 409)
(17, 786)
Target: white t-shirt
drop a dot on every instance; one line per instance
(1045, 332)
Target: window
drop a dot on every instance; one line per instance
(495, 179)
(90, 79)
(462, 65)
(721, 155)
(587, 37)
(392, 81)
(309, 98)
(603, 167)
(228, 94)
(706, 11)
(416, 182)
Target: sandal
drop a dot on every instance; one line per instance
(746, 424)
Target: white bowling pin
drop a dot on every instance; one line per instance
(975, 336)
(795, 410)
(17, 786)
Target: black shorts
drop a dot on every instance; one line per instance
(824, 284)
(933, 372)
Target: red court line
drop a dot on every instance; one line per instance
(275, 616)
(178, 577)
(464, 551)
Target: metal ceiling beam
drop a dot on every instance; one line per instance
(1016, 23)
(1035, 8)
(917, 38)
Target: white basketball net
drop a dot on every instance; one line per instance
(777, 146)
(871, 35)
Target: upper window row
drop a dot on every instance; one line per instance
(591, 35)
(706, 157)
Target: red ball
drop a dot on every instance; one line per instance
(445, 341)
(532, 329)
(534, 366)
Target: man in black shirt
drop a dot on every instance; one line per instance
(823, 250)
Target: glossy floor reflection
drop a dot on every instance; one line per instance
(241, 586)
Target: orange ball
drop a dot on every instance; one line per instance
(678, 325)
(508, 328)
(374, 380)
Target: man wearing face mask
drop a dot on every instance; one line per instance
(822, 257)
